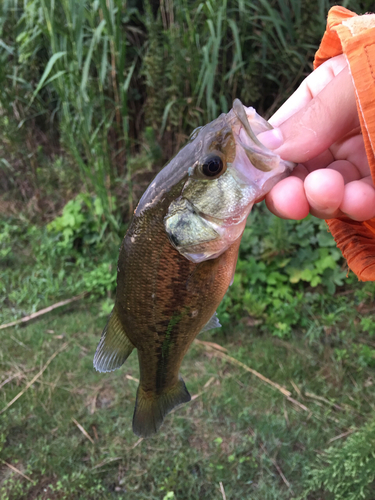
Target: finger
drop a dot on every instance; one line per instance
(348, 171)
(309, 88)
(352, 148)
(313, 129)
(358, 201)
(287, 199)
(321, 161)
(324, 192)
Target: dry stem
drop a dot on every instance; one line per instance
(42, 311)
(34, 378)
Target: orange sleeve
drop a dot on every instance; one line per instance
(354, 36)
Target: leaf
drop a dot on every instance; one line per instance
(165, 115)
(86, 66)
(47, 71)
(295, 275)
(54, 77)
(125, 87)
(10, 50)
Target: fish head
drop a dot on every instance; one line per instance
(230, 172)
(221, 172)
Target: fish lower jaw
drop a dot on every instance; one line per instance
(201, 257)
(213, 249)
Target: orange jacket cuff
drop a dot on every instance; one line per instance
(354, 36)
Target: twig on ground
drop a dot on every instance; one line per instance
(137, 443)
(106, 462)
(83, 430)
(273, 461)
(14, 469)
(11, 377)
(344, 434)
(222, 491)
(281, 474)
(320, 398)
(296, 388)
(209, 382)
(19, 343)
(297, 403)
(286, 414)
(95, 433)
(34, 378)
(42, 311)
(210, 344)
(218, 352)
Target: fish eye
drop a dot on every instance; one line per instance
(213, 166)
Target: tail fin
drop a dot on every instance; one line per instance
(150, 411)
(114, 346)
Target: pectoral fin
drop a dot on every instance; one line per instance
(150, 409)
(114, 346)
(212, 323)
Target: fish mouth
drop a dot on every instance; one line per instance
(260, 157)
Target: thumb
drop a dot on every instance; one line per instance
(328, 117)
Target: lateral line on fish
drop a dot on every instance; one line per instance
(167, 344)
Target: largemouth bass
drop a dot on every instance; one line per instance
(179, 255)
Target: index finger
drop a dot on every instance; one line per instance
(309, 88)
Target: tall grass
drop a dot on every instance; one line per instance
(114, 79)
(72, 63)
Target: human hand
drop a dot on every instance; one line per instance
(318, 128)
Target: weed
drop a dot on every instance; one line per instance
(277, 260)
(346, 472)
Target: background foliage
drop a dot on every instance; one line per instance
(95, 96)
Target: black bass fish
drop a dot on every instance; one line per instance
(179, 255)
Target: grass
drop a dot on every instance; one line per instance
(238, 431)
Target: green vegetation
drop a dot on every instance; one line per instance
(238, 431)
(94, 98)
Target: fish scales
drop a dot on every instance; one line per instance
(179, 255)
(173, 290)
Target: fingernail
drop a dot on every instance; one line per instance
(272, 139)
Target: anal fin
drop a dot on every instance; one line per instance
(114, 346)
(150, 409)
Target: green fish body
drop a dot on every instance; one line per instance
(179, 255)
